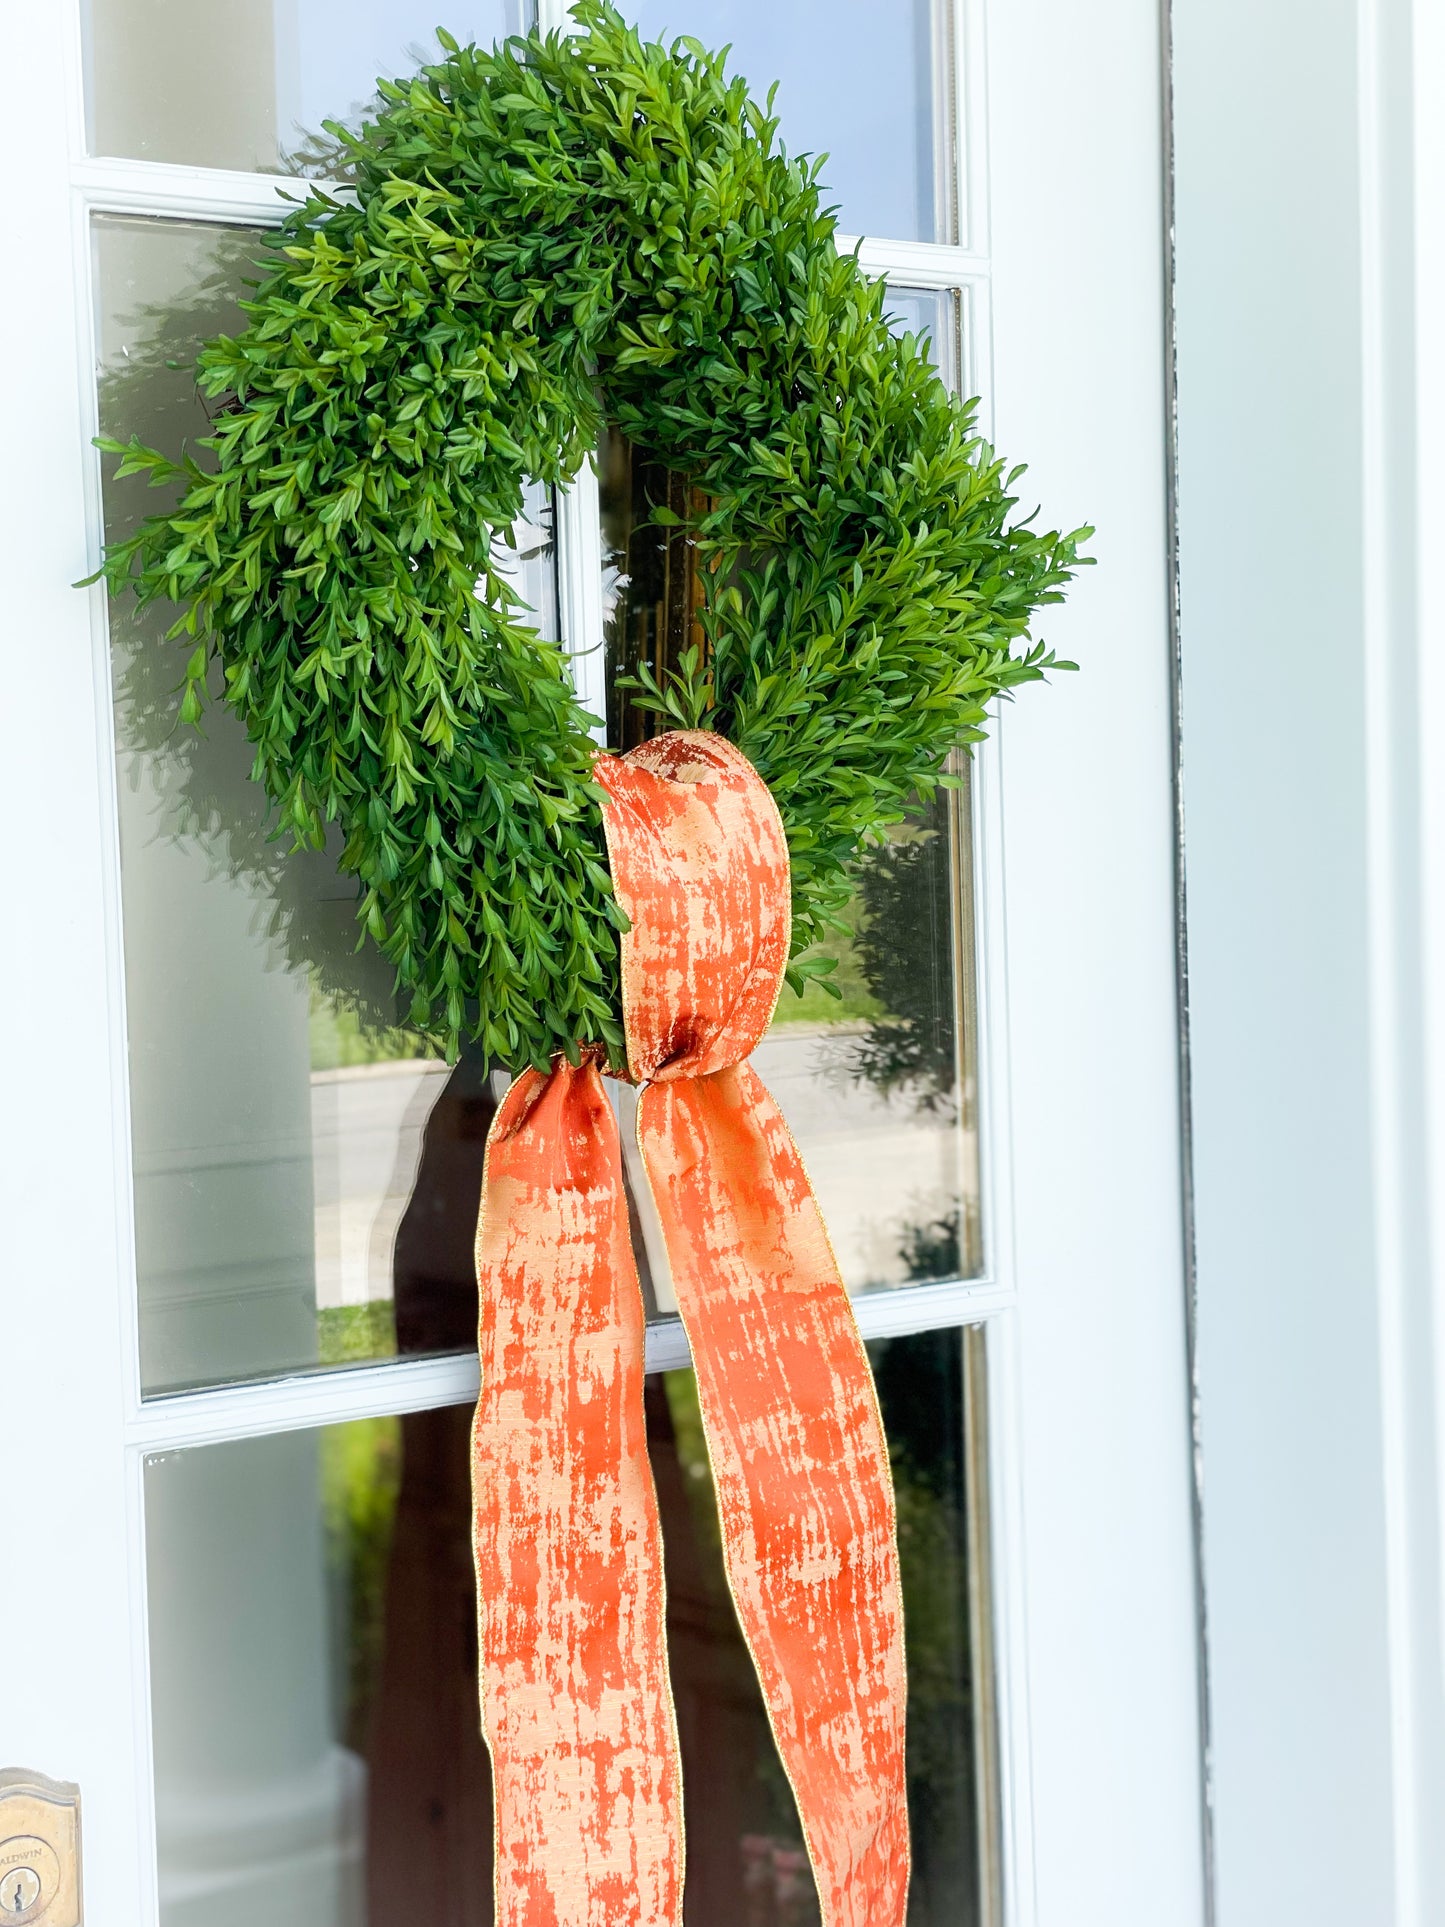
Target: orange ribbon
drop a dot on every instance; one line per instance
(576, 1705)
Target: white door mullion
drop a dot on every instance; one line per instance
(915, 264)
(335, 1397)
(398, 1385)
(308, 1399)
(1001, 1571)
(147, 1899)
(200, 193)
(970, 79)
(579, 591)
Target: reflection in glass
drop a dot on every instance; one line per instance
(650, 586)
(248, 83)
(879, 1087)
(933, 315)
(867, 85)
(879, 1084)
(746, 1861)
(313, 1654)
(313, 1664)
(306, 1177)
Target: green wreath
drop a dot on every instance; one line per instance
(562, 231)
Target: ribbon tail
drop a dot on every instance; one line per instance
(805, 1494)
(576, 1706)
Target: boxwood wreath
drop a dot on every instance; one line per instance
(564, 230)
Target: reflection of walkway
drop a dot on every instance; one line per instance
(366, 1126)
(876, 1166)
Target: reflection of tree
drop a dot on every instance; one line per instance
(933, 1249)
(429, 1787)
(920, 1392)
(326, 156)
(746, 1862)
(904, 951)
(360, 1478)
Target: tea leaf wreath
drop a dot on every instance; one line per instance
(562, 231)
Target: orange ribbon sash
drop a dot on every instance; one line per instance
(576, 1706)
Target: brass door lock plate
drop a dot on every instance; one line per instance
(39, 1851)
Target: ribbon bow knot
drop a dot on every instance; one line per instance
(576, 1705)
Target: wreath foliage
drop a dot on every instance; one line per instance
(564, 230)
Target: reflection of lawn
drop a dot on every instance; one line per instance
(691, 1445)
(355, 1334)
(339, 1039)
(360, 1481)
(857, 1003)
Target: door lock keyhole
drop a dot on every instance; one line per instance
(21, 1890)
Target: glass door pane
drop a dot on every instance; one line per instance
(313, 1655)
(879, 1084)
(870, 86)
(746, 1861)
(248, 83)
(306, 1172)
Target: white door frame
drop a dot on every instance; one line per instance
(1310, 196)
(1084, 1295)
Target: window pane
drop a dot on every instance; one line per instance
(313, 1652)
(868, 85)
(746, 1860)
(306, 1176)
(247, 83)
(933, 314)
(880, 1085)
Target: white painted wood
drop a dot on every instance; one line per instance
(1395, 833)
(1427, 131)
(1309, 488)
(1107, 1576)
(419, 1384)
(1007, 1581)
(201, 193)
(970, 88)
(307, 1399)
(915, 264)
(71, 1697)
(579, 580)
(921, 1308)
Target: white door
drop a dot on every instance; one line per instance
(235, 1314)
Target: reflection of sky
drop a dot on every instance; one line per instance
(330, 52)
(855, 78)
(854, 82)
